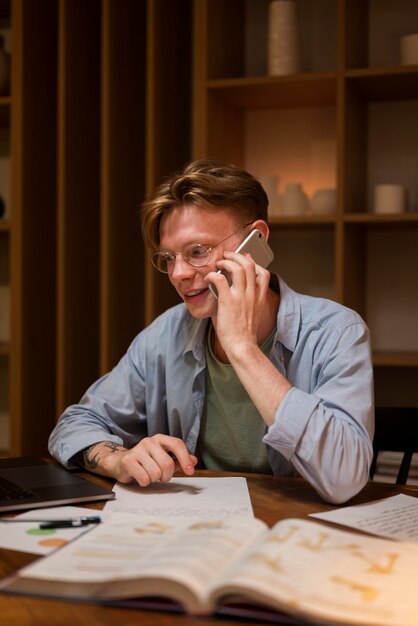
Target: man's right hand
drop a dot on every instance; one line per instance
(153, 459)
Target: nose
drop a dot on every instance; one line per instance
(180, 269)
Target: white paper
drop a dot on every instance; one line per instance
(185, 497)
(28, 537)
(395, 517)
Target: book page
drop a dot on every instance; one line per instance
(129, 547)
(395, 517)
(314, 571)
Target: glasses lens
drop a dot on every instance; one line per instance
(197, 254)
(161, 260)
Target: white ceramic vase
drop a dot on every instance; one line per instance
(283, 38)
(294, 200)
(324, 202)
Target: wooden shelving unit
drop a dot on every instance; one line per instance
(363, 105)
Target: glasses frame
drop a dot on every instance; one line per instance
(173, 255)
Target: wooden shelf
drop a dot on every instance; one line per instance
(5, 225)
(349, 218)
(4, 349)
(395, 359)
(309, 221)
(264, 92)
(374, 218)
(397, 83)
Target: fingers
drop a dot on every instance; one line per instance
(157, 458)
(246, 274)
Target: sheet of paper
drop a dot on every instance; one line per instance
(28, 537)
(185, 497)
(395, 517)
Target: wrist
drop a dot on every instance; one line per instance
(243, 353)
(102, 457)
(109, 457)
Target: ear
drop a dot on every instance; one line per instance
(262, 227)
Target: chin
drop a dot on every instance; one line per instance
(201, 315)
(203, 312)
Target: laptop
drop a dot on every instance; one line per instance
(31, 483)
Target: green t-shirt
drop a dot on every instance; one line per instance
(232, 429)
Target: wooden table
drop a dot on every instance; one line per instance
(273, 498)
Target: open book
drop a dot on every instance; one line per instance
(301, 568)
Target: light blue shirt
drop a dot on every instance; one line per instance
(323, 428)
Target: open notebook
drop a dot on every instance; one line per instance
(30, 482)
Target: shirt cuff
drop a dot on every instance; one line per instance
(290, 422)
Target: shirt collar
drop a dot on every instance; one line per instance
(195, 342)
(289, 316)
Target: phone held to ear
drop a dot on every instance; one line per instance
(259, 249)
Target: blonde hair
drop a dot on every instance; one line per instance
(206, 184)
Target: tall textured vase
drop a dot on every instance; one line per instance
(283, 38)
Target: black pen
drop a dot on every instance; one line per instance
(76, 522)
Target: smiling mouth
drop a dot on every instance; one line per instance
(195, 292)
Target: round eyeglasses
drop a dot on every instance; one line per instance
(195, 254)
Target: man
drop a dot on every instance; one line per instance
(259, 379)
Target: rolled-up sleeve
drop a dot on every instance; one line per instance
(324, 426)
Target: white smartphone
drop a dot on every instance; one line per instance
(259, 249)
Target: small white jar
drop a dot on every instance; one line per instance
(389, 199)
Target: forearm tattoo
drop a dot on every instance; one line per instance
(90, 459)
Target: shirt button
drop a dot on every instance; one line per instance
(282, 358)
